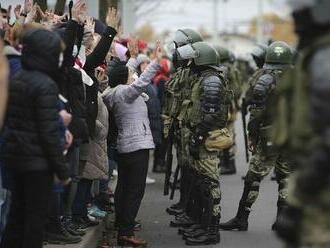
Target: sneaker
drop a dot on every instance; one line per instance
(96, 212)
(72, 228)
(150, 180)
(59, 235)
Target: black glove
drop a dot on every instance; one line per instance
(195, 143)
(289, 225)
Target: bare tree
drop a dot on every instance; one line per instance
(104, 5)
(60, 6)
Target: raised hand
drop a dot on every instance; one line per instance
(133, 47)
(112, 18)
(90, 24)
(17, 11)
(41, 13)
(158, 54)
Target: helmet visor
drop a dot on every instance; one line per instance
(187, 52)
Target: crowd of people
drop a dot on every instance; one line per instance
(81, 99)
(78, 99)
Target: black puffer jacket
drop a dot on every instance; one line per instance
(32, 137)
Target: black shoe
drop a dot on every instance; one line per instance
(175, 211)
(194, 234)
(194, 227)
(184, 221)
(209, 238)
(73, 229)
(57, 234)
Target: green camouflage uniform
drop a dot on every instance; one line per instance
(301, 128)
(206, 167)
(265, 157)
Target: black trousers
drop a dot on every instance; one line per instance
(28, 210)
(132, 173)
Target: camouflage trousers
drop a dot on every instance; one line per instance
(208, 170)
(185, 162)
(261, 164)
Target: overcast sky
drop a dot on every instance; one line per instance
(173, 14)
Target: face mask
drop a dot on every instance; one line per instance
(60, 60)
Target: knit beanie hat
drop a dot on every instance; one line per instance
(117, 72)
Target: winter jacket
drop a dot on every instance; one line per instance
(131, 113)
(93, 60)
(154, 110)
(96, 166)
(31, 134)
(72, 87)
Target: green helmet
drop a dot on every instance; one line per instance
(186, 36)
(224, 54)
(201, 52)
(278, 56)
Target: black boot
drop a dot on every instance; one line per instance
(239, 222)
(57, 234)
(194, 227)
(278, 216)
(175, 209)
(182, 221)
(194, 234)
(229, 168)
(210, 237)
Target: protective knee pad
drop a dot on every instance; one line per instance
(251, 190)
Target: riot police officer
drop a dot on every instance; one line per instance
(207, 117)
(174, 89)
(306, 222)
(265, 157)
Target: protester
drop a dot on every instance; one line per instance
(133, 143)
(33, 101)
(158, 82)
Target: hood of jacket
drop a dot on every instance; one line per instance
(41, 51)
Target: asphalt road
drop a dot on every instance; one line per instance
(155, 221)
